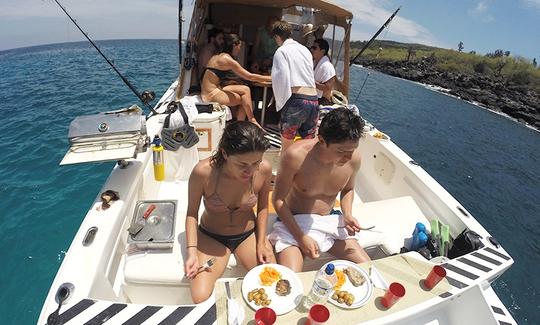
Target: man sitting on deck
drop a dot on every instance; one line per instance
(312, 173)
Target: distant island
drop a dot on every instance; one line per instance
(496, 81)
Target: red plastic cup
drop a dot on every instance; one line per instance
(395, 292)
(318, 314)
(435, 276)
(265, 316)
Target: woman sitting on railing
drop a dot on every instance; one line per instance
(231, 184)
(217, 70)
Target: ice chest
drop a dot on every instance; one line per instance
(158, 227)
(209, 128)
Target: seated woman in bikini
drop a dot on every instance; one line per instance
(218, 68)
(231, 184)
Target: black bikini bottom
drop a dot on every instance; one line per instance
(232, 242)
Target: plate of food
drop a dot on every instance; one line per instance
(354, 287)
(272, 285)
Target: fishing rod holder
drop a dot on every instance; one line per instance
(147, 96)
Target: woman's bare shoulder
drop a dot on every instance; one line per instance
(202, 169)
(265, 168)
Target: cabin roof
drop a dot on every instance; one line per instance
(325, 6)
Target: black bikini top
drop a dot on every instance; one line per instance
(221, 74)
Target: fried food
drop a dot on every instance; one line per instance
(340, 279)
(259, 297)
(283, 287)
(343, 297)
(354, 276)
(269, 275)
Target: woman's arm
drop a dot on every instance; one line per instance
(264, 253)
(196, 183)
(243, 73)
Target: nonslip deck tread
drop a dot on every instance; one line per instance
(75, 310)
(177, 315)
(142, 315)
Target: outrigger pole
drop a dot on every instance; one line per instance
(145, 97)
(374, 36)
(180, 20)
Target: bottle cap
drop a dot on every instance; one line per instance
(329, 269)
(156, 141)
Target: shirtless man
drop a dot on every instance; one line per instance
(213, 47)
(312, 173)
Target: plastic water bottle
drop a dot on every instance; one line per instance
(419, 236)
(324, 283)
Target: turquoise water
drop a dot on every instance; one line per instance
(489, 163)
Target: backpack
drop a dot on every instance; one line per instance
(467, 241)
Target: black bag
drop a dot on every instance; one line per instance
(184, 135)
(466, 242)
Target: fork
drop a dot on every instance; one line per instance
(206, 265)
(367, 228)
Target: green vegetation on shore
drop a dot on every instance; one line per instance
(517, 70)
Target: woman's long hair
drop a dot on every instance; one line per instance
(239, 138)
(229, 41)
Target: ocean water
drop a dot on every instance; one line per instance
(488, 162)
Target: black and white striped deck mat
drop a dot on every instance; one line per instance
(461, 273)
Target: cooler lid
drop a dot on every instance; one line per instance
(209, 117)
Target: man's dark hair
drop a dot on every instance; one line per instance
(282, 29)
(323, 45)
(214, 32)
(229, 41)
(341, 125)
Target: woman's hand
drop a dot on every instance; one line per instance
(351, 225)
(265, 253)
(309, 247)
(191, 265)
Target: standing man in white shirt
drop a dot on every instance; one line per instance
(294, 89)
(325, 73)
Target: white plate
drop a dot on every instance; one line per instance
(361, 293)
(281, 305)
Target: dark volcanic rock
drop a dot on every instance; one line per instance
(494, 93)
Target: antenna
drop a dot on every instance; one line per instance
(145, 97)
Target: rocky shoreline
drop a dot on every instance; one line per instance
(495, 94)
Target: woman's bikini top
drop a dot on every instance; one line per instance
(221, 74)
(216, 204)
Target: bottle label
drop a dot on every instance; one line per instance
(321, 287)
(158, 158)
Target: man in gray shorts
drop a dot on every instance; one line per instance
(293, 84)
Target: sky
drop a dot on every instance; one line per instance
(482, 25)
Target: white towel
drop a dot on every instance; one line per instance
(323, 229)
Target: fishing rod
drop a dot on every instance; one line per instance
(374, 36)
(180, 21)
(145, 97)
(361, 88)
